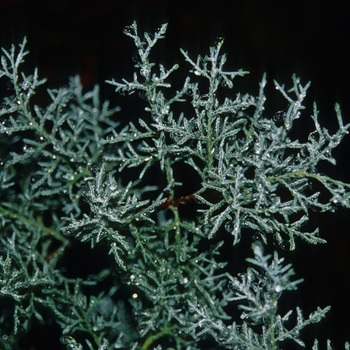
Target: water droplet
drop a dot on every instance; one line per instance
(279, 117)
(67, 340)
(129, 30)
(165, 110)
(244, 316)
(219, 40)
(25, 85)
(227, 84)
(135, 58)
(278, 288)
(314, 136)
(284, 245)
(68, 177)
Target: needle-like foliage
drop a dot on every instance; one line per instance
(73, 172)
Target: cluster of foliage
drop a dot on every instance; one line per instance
(72, 172)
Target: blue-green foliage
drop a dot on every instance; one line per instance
(66, 177)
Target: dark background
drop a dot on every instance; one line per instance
(309, 38)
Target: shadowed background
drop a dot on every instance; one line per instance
(310, 39)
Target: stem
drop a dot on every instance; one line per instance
(152, 338)
(30, 222)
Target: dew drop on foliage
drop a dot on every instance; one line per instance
(219, 40)
(279, 117)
